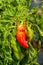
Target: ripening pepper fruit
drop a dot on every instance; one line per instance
(21, 28)
(21, 36)
(22, 39)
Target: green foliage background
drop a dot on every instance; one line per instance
(11, 53)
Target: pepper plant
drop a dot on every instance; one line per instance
(22, 49)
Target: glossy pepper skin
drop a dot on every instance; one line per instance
(21, 28)
(21, 36)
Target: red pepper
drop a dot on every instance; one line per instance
(21, 36)
(21, 28)
(22, 39)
